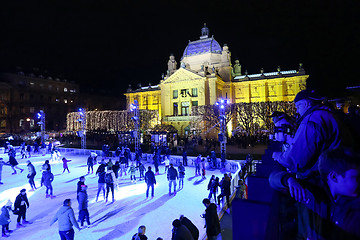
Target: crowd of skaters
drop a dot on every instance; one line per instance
(108, 174)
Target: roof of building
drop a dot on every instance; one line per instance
(266, 75)
(144, 89)
(163, 129)
(206, 45)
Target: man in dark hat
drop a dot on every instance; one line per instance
(21, 202)
(320, 129)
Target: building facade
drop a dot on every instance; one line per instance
(205, 76)
(24, 95)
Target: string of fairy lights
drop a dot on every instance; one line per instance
(111, 121)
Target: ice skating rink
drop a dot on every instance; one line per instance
(118, 220)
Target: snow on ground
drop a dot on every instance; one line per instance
(118, 220)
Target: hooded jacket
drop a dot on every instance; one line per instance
(320, 129)
(66, 218)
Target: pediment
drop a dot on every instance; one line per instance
(182, 75)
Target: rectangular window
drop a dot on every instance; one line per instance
(65, 100)
(65, 89)
(194, 103)
(175, 94)
(194, 92)
(57, 100)
(175, 109)
(72, 90)
(185, 108)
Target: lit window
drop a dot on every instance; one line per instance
(71, 100)
(194, 92)
(72, 90)
(65, 90)
(57, 100)
(65, 100)
(195, 103)
(175, 94)
(32, 122)
(21, 122)
(32, 83)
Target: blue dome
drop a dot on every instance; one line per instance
(208, 45)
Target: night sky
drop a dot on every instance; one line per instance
(111, 44)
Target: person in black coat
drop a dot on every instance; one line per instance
(225, 189)
(150, 181)
(21, 202)
(189, 225)
(180, 232)
(211, 220)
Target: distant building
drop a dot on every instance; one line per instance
(24, 95)
(206, 75)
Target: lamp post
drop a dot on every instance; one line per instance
(136, 118)
(222, 134)
(41, 117)
(82, 120)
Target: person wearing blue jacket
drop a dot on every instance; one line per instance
(48, 178)
(5, 219)
(66, 219)
(83, 206)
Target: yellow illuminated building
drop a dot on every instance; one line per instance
(206, 75)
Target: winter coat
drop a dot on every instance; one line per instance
(213, 186)
(21, 200)
(150, 177)
(90, 161)
(111, 172)
(5, 215)
(13, 161)
(132, 170)
(320, 129)
(225, 186)
(172, 174)
(65, 161)
(181, 171)
(139, 237)
(101, 177)
(345, 215)
(181, 233)
(83, 200)
(31, 168)
(65, 216)
(141, 168)
(212, 220)
(78, 189)
(192, 228)
(48, 178)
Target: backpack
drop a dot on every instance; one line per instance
(108, 178)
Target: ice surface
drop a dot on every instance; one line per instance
(118, 220)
